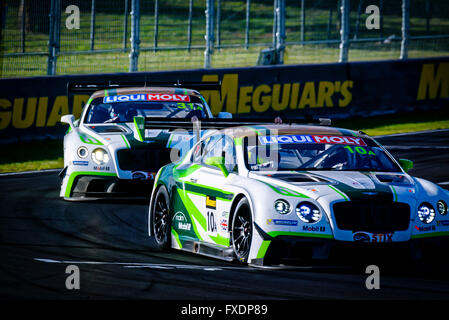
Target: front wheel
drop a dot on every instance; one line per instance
(242, 230)
(160, 219)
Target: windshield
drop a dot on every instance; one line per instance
(316, 152)
(123, 108)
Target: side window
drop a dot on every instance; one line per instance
(221, 146)
(229, 153)
(213, 147)
(204, 148)
(197, 153)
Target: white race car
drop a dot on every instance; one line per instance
(111, 152)
(263, 194)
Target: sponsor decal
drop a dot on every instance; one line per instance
(281, 222)
(381, 237)
(224, 224)
(211, 224)
(361, 237)
(238, 99)
(375, 237)
(146, 97)
(140, 175)
(181, 221)
(434, 81)
(211, 202)
(102, 168)
(314, 228)
(80, 163)
(443, 223)
(424, 229)
(328, 139)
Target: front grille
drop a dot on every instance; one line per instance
(148, 160)
(372, 216)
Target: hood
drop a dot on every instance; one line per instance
(351, 185)
(136, 137)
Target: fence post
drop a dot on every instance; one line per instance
(357, 22)
(92, 26)
(135, 33)
(280, 45)
(405, 28)
(53, 38)
(156, 24)
(248, 7)
(218, 44)
(24, 14)
(125, 25)
(275, 23)
(209, 33)
(189, 26)
(344, 31)
(303, 21)
(329, 24)
(381, 20)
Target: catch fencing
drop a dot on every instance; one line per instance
(57, 37)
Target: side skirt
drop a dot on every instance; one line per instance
(207, 249)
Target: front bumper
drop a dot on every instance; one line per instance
(292, 250)
(92, 187)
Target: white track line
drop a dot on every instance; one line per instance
(144, 265)
(445, 183)
(29, 172)
(416, 147)
(410, 133)
(162, 266)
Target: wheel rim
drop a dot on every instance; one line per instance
(160, 218)
(241, 233)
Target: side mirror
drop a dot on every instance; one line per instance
(69, 119)
(225, 115)
(219, 163)
(406, 164)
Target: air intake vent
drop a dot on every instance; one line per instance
(372, 216)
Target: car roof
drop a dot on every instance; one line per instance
(277, 129)
(137, 90)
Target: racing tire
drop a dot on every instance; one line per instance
(242, 230)
(160, 219)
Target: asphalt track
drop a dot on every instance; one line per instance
(40, 235)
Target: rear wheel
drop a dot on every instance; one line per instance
(242, 230)
(160, 219)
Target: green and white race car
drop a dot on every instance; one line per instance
(112, 151)
(264, 194)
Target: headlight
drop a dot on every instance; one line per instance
(442, 207)
(100, 156)
(82, 152)
(282, 206)
(308, 212)
(426, 213)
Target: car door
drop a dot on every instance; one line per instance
(207, 188)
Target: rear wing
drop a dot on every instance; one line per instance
(197, 126)
(92, 87)
(217, 123)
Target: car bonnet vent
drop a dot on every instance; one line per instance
(298, 178)
(107, 129)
